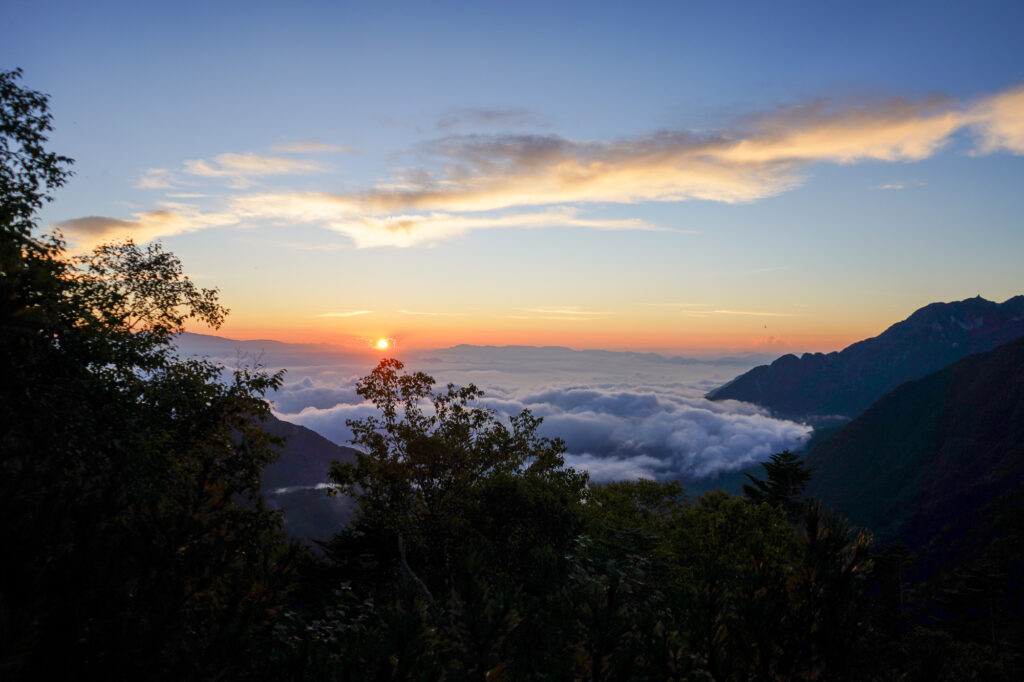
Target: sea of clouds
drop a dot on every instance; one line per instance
(622, 415)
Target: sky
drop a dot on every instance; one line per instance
(679, 177)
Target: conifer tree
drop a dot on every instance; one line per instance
(786, 478)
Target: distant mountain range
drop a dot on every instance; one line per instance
(822, 388)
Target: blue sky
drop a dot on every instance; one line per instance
(669, 176)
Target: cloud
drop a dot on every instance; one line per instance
(674, 431)
(158, 178)
(402, 230)
(999, 122)
(84, 233)
(748, 313)
(759, 157)
(621, 414)
(902, 184)
(639, 431)
(895, 129)
(508, 117)
(756, 313)
(310, 147)
(496, 172)
(474, 182)
(428, 313)
(331, 422)
(298, 395)
(240, 169)
(603, 469)
(567, 311)
(351, 313)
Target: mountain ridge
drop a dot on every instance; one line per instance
(827, 388)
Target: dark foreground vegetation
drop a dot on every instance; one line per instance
(137, 545)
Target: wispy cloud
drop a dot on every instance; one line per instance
(427, 313)
(504, 117)
(756, 313)
(750, 313)
(175, 219)
(238, 170)
(999, 122)
(409, 229)
(350, 313)
(903, 184)
(310, 147)
(158, 178)
(568, 311)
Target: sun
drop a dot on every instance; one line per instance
(382, 344)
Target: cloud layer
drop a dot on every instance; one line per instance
(635, 432)
(621, 415)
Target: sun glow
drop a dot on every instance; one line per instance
(382, 344)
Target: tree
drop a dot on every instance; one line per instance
(28, 173)
(137, 544)
(431, 455)
(466, 524)
(786, 479)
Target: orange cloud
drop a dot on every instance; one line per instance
(999, 121)
(343, 215)
(85, 233)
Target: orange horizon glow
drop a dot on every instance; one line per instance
(662, 342)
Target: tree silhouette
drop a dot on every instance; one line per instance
(137, 544)
(785, 480)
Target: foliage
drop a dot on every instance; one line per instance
(129, 477)
(439, 471)
(28, 173)
(464, 522)
(785, 482)
(466, 580)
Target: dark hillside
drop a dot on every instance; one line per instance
(306, 456)
(930, 451)
(295, 482)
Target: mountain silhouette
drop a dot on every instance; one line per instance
(296, 482)
(823, 388)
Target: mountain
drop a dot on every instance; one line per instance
(306, 456)
(828, 387)
(933, 451)
(296, 482)
(266, 352)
